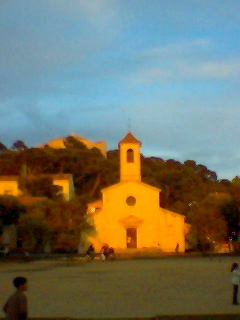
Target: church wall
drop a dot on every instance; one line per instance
(173, 231)
(165, 227)
(9, 187)
(110, 226)
(130, 170)
(130, 215)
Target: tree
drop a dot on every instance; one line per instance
(235, 190)
(43, 187)
(10, 210)
(33, 233)
(230, 212)
(2, 147)
(9, 163)
(1, 227)
(68, 220)
(19, 145)
(73, 143)
(207, 223)
(62, 223)
(22, 178)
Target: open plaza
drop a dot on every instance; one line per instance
(124, 288)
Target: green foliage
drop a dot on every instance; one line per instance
(180, 184)
(73, 143)
(235, 190)
(67, 220)
(207, 222)
(19, 145)
(230, 212)
(10, 209)
(1, 227)
(33, 233)
(43, 187)
(184, 186)
(9, 163)
(2, 147)
(60, 223)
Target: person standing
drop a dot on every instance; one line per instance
(235, 280)
(90, 252)
(104, 251)
(177, 247)
(16, 306)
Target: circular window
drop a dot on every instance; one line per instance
(131, 201)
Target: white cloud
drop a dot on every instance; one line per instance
(217, 69)
(193, 60)
(177, 70)
(183, 48)
(89, 66)
(42, 38)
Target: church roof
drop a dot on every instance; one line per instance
(129, 138)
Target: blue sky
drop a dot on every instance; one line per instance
(169, 68)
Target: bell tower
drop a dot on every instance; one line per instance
(130, 164)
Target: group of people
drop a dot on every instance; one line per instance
(106, 252)
(16, 306)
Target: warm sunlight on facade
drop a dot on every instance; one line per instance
(59, 143)
(129, 214)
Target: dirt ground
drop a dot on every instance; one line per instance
(132, 288)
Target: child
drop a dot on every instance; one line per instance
(235, 280)
(16, 305)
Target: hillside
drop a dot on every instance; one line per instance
(184, 186)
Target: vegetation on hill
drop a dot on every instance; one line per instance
(210, 205)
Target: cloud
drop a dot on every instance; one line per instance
(46, 39)
(90, 67)
(193, 60)
(205, 135)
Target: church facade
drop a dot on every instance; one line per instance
(129, 214)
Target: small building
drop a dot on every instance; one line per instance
(129, 214)
(9, 184)
(59, 143)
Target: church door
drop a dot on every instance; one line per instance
(131, 238)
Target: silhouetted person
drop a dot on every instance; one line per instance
(235, 280)
(177, 247)
(111, 253)
(16, 306)
(105, 252)
(90, 252)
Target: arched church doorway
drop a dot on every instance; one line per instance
(131, 237)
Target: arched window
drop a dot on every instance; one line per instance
(130, 155)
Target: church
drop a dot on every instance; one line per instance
(129, 215)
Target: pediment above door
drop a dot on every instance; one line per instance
(131, 221)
